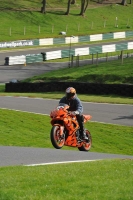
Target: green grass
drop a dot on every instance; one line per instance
(32, 130)
(101, 180)
(88, 98)
(111, 72)
(2, 88)
(54, 21)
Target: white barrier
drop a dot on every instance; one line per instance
(12, 60)
(71, 39)
(82, 51)
(48, 41)
(53, 55)
(108, 48)
(97, 37)
(17, 60)
(119, 35)
(130, 45)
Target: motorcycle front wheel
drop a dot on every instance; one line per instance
(57, 140)
(87, 144)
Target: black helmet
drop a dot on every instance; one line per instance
(70, 92)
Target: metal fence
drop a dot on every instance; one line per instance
(95, 59)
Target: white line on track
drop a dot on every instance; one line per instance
(24, 111)
(53, 163)
(58, 100)
(49, 115)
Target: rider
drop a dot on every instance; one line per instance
(76, 107)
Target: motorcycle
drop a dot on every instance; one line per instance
(66, 131)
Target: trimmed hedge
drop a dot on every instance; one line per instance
(82, 88)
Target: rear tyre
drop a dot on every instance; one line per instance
(56, 139)
(86, 144)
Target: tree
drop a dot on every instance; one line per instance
(43, 8)
(73, 1)
(124, 2)
(68, 7)
(84, 5)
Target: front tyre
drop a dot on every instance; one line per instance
(86, 144)
(57, 140)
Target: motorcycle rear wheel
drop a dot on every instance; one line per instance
(86, 145)
(56, 139)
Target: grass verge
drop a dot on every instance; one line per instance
(102, 180)
(87, 98)
(108, 73)
(32, 130)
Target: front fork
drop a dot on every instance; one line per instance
(61, 131)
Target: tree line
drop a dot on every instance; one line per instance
(83, 6)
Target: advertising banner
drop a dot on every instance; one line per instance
(18, 43)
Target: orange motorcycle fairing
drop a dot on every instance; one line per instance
(71, 140)
(87, 118)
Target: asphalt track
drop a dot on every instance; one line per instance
(108, 113)
(10, 156)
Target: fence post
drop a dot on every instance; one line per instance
(92, 25)
(10, 31)
(128, 22)
(92, 58)
(71, 60)
(122, 57)
(104, 23)
(52, 28)
(78, 26)
(24, 30)
(97, 58)
(78, 60)
(116, 22)
(66, 28)
(107, 57)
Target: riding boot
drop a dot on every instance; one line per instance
(82, 131)
(83, 134)
(80, 119)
